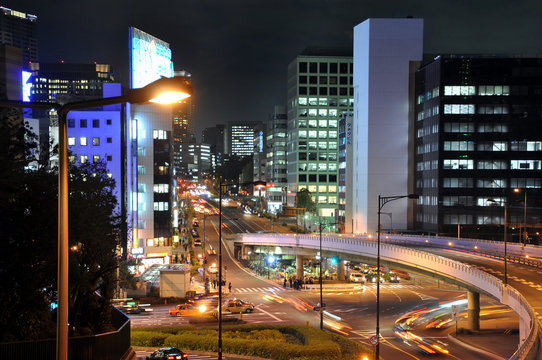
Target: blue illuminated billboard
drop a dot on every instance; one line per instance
(150, 58)
(27, 85)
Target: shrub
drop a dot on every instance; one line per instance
(274, 342)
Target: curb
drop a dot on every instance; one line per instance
(246, 357)
(474, 348)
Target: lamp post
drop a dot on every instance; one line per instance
(162, 91)
(505, 237)
(383, 200)
(320, 278)
(524, 227)
(221, 186)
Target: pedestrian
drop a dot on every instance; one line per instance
(229, 287)
(284, 284)
(290, 280)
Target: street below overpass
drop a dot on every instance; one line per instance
(351, 308)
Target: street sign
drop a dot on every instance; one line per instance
(373, 340)
(455, 311)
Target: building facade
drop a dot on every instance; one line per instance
(275, 169)
(319, 89)
(183, 131)
(479, 146)
(387, 53)
(346, 144)
(241, 138)
(20, 30)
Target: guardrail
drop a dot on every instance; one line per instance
(108, 346)
(529, 325)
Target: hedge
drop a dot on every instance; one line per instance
(273, 342)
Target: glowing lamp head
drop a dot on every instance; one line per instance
(169, 97)
(202, 308)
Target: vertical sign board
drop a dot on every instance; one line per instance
(455, 315)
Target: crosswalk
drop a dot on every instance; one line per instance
(258, 289)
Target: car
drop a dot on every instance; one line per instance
(237, 306)
(194, 233)
(195, 223)
(357, 277)
(371, 277)
(167, 354)
(181, 309)
(392, 277)
(197, 242)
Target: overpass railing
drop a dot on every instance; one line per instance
(529, 326)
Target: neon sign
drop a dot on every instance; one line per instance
(150, 58)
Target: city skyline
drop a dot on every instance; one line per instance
(236, 43)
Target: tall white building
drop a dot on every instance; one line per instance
(386, 54)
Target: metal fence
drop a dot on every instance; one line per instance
(108, 346)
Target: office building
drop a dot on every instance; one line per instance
(386, 54)
(319, 89)
(199, 163)
(183, 131)
(275, 170)
(149, 155)
(216, 137)
(345, 188)
(96, 136)
(62, 82)
(20, 30)
(241, 138)
(478, 139)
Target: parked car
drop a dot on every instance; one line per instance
(194, 233)
(168, 354)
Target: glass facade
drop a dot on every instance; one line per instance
(478, 146)
(319, 89)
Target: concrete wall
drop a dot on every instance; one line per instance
(383, 50)
(174, 283)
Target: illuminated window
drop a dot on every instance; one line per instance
(459, 109)
(322, 188)
(322, 134)
(458, 164)
(71, 141)
(526, 145)
(459, 90)
(313, 124)
(458, 146)
(71, 158)
(312, 188)
(322, 112)
(332, 188)
(302, 101)
(525, 164)
(159, 134)
(302, 134)
(95, 141)
(333, 123)
(83, 159)
(83, 141)
(96, 158)
(491, 165)
(312, 134)
(494, 90)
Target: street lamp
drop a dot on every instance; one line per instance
(524, 236)
(320, 279)
(505, 237)
(225, 186)
(383, 200)
(162, 91)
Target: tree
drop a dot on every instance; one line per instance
(304, 200)
(28, 256)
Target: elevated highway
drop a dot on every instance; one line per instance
(474, 264)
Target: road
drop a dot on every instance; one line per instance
(355, 306)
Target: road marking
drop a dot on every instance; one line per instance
(268, 313)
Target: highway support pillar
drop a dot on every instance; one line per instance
(299, 266)
(340, 270)
(473, 311)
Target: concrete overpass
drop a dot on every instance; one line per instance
(427, 262)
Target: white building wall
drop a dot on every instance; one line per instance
(383, 49)
(148, 118)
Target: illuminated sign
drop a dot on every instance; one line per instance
(150, 58)
(27, 85)
(260, 140)
(137, 251)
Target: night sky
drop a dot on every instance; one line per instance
(238, 51)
